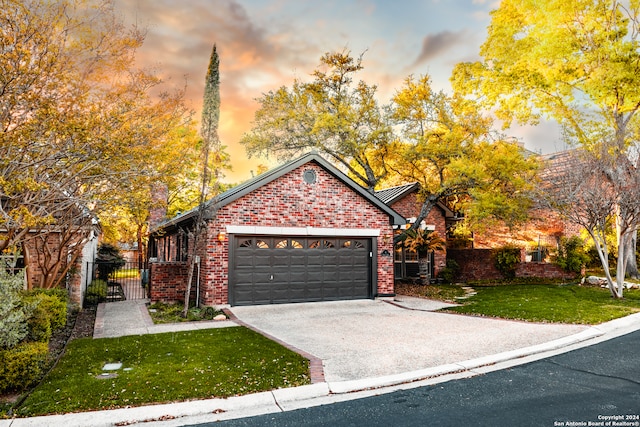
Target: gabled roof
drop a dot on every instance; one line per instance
(393, 194)
(559, 163)
(253, 184)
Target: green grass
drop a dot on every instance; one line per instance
(550, 303)
(164, 368)
(125, 273)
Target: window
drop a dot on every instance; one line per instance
(410, 256)
(261, 244)
(354, 244)
(321, 244)
(288, 244)
(245, 244)
(398, 254)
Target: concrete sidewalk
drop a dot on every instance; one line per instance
(474, 347)
(131, 317)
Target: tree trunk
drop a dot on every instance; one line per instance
(423, 268)
(193, 258)
(631, 258)
(424, 211)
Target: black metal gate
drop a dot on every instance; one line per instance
(111, 282)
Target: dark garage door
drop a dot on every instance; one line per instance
(273, 270)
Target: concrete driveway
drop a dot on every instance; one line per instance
(372, 338)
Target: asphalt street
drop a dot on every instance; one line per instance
(597, 385)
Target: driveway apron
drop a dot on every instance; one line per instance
(372, 338)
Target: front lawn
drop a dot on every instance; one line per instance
(166, 367)
(549, 303)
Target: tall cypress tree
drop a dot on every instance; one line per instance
(211, 101)
(210, 145)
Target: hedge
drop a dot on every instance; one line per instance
(22, 365)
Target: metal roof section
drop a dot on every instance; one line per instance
(393, 194)
(253, 184)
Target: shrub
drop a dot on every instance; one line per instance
(450, 272)
(96, 292)
(571, 254)
(38, 321)
(48, 303)
(13, 320)
(22, 365)
(506, 260)
(108, 260)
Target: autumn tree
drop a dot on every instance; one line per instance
(331, 114)
(77, 122)
(577, 62)
(448, 147)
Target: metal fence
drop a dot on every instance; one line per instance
(124, 282)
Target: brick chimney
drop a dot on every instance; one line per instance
(158, 208)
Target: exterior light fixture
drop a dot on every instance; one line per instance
(221, 236)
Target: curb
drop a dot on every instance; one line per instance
(210, 410)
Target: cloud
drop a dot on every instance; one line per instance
(434, 45)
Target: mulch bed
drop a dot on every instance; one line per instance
(79, 325)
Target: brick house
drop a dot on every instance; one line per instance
(301, 232)
(404, 200)
(538, 238)
(544, 227)
(57, 257)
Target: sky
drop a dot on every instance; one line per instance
(264, 45)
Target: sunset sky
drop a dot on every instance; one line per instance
(266, 44)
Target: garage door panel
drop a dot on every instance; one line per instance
(298, 259)
(331, 277)
(330, 258)
(281, 259)
(244, 259)
(262, 258)
(244, 293)
(315, 258)
(298, 277)
(280, 295)
(269, 269)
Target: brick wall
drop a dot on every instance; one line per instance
(478, 264)
(168, 281)
(288, 202)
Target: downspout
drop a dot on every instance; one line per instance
(198, 282)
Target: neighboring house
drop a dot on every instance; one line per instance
(404, 200)
(53, 256)
(538, 238)
(541, 234)
(130, 252)
(301, 232)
